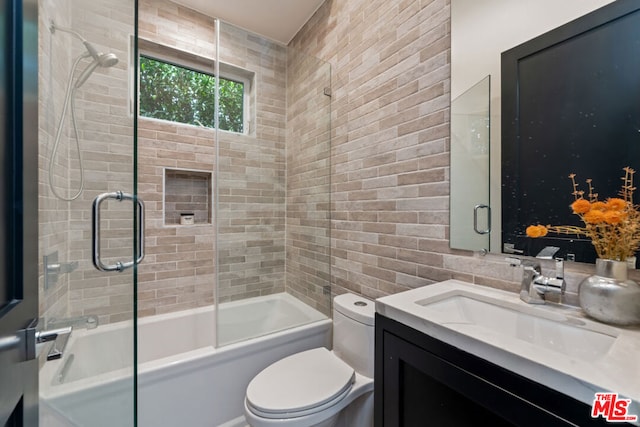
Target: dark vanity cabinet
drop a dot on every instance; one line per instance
(421, 382)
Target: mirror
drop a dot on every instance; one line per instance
(470, 126)
(476, 53)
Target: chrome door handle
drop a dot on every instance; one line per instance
(475, 219)
(95, 246)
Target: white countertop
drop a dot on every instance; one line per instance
(618, 370)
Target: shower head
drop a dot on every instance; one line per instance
(105, 60)
(92, 50)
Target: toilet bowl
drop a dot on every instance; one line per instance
(318, 387)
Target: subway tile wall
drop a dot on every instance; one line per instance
(53, 217)
(390, 141)
(178, 272)
(106, 138)
(308, 224)
(252, 174)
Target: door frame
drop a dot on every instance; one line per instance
(19, 217)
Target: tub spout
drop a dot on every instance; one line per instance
(80, 322)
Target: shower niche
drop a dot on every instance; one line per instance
(187, 197)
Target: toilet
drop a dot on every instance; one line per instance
(318, 387)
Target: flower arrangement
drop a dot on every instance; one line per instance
(612, 225)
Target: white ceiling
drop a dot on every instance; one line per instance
(277, 20)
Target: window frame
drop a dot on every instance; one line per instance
(199, 64)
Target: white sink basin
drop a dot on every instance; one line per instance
(567, 335)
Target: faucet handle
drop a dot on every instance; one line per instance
(532, 266)
(559, 268)
(52, 334)
(513, 262)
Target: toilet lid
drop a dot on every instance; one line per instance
(299, 383)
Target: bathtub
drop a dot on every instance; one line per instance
(183, 379)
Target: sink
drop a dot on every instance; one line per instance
(550, 344)
(567, 335)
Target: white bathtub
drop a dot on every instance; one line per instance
(183, 380)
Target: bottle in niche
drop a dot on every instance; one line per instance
(187, 218)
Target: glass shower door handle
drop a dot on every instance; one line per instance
(95, 245)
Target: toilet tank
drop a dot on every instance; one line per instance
(353, 332)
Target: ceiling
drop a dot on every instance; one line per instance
(278, 20)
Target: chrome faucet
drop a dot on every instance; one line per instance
(535, 286)
(58, 338)
(58, 331)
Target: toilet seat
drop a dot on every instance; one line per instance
(299, 385)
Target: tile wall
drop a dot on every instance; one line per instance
(177, 272)
(53, 215)
(308, 244)
(252, 174)
(106, 135)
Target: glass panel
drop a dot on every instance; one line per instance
(273, 193)
(87, 147)
(175, 177)
(308, 166)
(470, 168)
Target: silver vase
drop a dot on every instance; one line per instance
(609, 296)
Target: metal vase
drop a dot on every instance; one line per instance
(609, 296)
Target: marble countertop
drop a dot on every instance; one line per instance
(615, 370)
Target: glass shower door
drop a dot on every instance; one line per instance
(272, 190)
(88, 215)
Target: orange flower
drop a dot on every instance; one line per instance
(612, 225)
(616, 204)
(593, 217)
(536, 231)
(581, 206)
(614, 217)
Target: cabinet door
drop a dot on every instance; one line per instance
(421, 389)
(421, 381)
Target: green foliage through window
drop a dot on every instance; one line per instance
(178, 94)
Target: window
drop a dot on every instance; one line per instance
(180, 94)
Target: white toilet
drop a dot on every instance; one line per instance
(321, 388)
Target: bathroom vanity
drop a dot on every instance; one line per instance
(455, 354)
